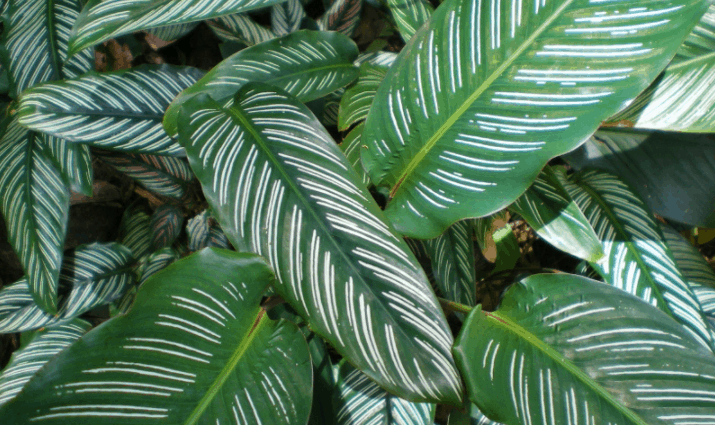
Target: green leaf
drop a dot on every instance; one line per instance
(497, 241)
(667, 170)
(637, 259)
(35, 205)
(696, 271)
(351, 148)
(563, 349)
(173, 32)
(240, 28)
(359, 401)
(309, 64)
(280, 187)
(480, 99)
(35, 37)
(410, 15)
(453, 262)
(473, 416)
(101, 20)
(73, 161)
(155, 262)
(355, 104)
(342, 16)
(92, 275)
(203, 231)
(195, 348)
(287, 16)
(135, 231)
(680, 100)
(119, 110)
(548, 209)
(164, 175)
(166, 224)
(26, 361)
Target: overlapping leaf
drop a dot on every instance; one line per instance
(668, 170)
(35, 204)
(308, 64)
(637, 258)
(29, 359)
(287, 16)
(355, 104)
(682, 98)
(280, 187)
(486, 93)
(188, 352)
(72, 160)
(135, 231)
(166, 224)
(239, 27)
(453, 262)
(351, 148)
(553, 215)
(204, 232)
(410, 15)
(119, 110)
(101, 20)
(342, 16)
(563, 349)
(173, 32)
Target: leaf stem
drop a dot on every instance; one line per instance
(453, 306)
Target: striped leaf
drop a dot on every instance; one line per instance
(195, 348)
(460, 126)
(150, 265)
(73, 161)
(93, 275)
(119, 110)
(342, 16)
(453, 262)
(280, 187)
(359, 401)
(410, 15)
(166, 224)
(563, 349)
(355, 104)
(696, 271)
(665, 169)
(35, 205)
(309, 64)
(240, 28)
(101, 20)
(473, 416)
(172, 32)
(550, 211)
(44, 345)
(681, 99)
(35, 37)
(204, 232)
(351, 148)
(135, 231)
(637, 259)
(163, 175)
(287, 16)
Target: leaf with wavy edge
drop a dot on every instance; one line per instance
(196, 347)
(101, 20)
(308, 64)
(564, 349)
(44, 345)
(637, 259)
(119, 110)
(280, 187)
(480, 99)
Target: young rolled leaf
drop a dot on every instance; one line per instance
(29, 359)
(563, 349)
(681, 99)
(696, 270)
(35, 37)
(119, 110)
(166, 224)
(637, 259)
(35, 205)
(667, 170)
(410, 15)
(342, 16)
(453, 262)
(359, 401)
(284, 190)
(164, 175)
(101, 20)
(481, 98)
(240, 28)
(196, 347)
(308, 64)
(287, 16)
(548, 209)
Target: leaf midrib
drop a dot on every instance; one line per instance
(432, 141)
(505, 322)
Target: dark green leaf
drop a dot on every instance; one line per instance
(166, 224)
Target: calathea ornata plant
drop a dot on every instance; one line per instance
(462, 230)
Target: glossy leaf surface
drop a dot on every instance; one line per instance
(188, 352)
(563, 349)
(486, 93)
(119, 110)
(308, 64)
(637, 258)
(284, 190)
